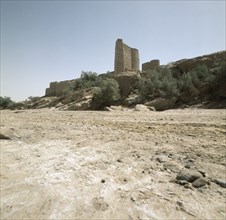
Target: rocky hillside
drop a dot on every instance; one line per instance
(199, 82)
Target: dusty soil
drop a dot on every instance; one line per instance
(111, 165)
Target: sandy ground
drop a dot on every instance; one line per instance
(111, 165)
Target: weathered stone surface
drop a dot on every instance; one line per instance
(153, 64)
(186, 65)
(126, 58)
(188, 175)
(4, 136)
(59, 88)
(199, 182)
(83, 105)
(142, 108)
(7, 134)
(161, 104)
(80, 100)
(126, 81)
(189, 64)
(114, 108)
(221, 182)
(172, 165)
(132, 99)
(162, 158)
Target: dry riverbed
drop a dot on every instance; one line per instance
(112, 165)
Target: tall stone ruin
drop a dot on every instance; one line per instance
(126, 58)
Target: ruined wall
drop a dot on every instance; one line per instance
(58, 88)
(126, 58)
(153, 64)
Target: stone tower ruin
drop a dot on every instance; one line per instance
(126, 58)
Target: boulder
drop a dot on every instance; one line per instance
(126, 81)
(7, 134)
(133, 99)
(221, 182)
(83, 105)
(114, 108)
(142, 108)
(161, 104)
(199, 182)
(188, 175)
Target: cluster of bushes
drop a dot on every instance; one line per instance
(158, 83)
(164, 83)
(33, 98)
(5, 102)
(107, 88)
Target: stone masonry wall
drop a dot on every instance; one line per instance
(126, 58)
(153, 64)
(58, 88)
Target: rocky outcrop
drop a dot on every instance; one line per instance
(126, 81)
(143, 108)
(132, 100)
(161, 104)
(73, 100)
(187, 65)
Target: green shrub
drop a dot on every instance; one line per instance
(160, 83)
(87, 80)
(5, 102)
(33, 98)
(108, 91)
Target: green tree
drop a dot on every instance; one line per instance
(108, 92)
(5, 102)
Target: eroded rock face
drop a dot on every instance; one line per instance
(126, 81)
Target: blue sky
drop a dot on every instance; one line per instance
(45, 41)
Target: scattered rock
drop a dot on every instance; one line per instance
(114, 108)
(182, 182)
(221, 182)
(162, 158)
(202, 172)
(99, 204)
(132, 100)
(199, 182)
(173, 166)
(142, 108)
(161, 104)
(188, 175)
(5, 137)
(7, 134)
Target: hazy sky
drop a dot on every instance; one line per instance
(45, 41)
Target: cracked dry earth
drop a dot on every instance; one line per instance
(112, 165)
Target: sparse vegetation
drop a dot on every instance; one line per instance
(163, 83)
(5, 102)
(33, 98)
(158, 83)
(108, 88)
